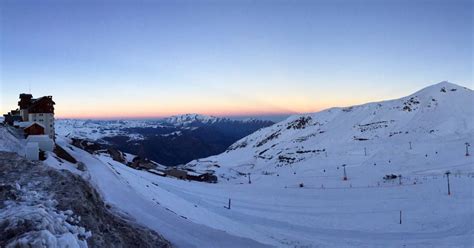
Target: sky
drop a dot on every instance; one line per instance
(147, 59)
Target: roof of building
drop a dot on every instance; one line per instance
(26, 124)
(35, 138)
(22, 124)
(36, 123)
(42, 105)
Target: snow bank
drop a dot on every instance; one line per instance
(9, 142)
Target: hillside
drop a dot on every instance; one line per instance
(395, 154)
(360, 135)
(44, 207)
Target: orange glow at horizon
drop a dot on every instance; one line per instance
(150, 110)
(83, 114)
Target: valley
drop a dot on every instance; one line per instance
(171, 141)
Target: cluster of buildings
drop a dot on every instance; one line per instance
(34, 119)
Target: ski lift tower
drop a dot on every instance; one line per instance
(447, 173)
(345, 174)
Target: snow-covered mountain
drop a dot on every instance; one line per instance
(172, 141)
(296, 195)
(440, 111)
(98, 129)
(193, 119)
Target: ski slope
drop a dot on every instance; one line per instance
(356, 136)
(358, 212)
(297, 196)
(372, 140)
(116, 182)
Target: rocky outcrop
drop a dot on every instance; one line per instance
(65, 207)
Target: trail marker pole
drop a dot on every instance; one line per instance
(467, 148)
(449, 187)
(410, 145)
(229, 204)
(345, 174)
(250, 181)
(400, 217)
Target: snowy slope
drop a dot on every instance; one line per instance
(97, 129)
(437, 113)
(9, 142)
(373, 140)
(327, 211)
(117, 184)
(362, 211)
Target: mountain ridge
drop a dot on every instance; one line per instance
(431, 112)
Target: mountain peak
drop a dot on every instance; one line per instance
(446, 84)
(190, 118)
(441, 87)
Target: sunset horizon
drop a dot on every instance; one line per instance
(64, 112)
(158, 58)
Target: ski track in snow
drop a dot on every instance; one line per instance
(116, 190)
(275, 211)
(327, 211)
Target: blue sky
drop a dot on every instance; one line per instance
(156, 58)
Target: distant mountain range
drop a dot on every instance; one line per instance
(193, 120)
(171, 141)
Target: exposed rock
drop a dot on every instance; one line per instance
(89, 146)
(142, 163)
(116, 155)
(63, 154)
(270, 137)
(300, 123)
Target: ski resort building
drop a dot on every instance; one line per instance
(35, 116)
(35, 120)
(40, 110)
